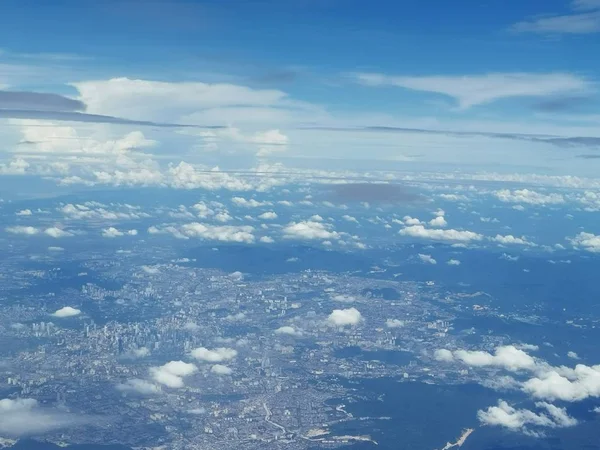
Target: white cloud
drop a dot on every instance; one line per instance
(573, 355)
(510, 258)
(24, 212)
(269, 215)
(112, 232)
(348, 218)
(453, 262)
(67, 311)
(563, 383)
(140, 386)
(266, 240)
(394, 323)
(529, 197)
(287, 330)
(508, 357)
(428, 259)
(411, 221)
(586, 241)
(309, 230)
(510, 240)
(172, 373)
(220, 369)
(57, 232)
(223, 233)
(342, 317)
(443, 355)
(217, 355)
(584, 19)
(24, 417)
(139, 352)
(475, 90)
(223, 217)
(251, 203)
(19, 229)
(506, 416)
(439, 221)
(419, 231)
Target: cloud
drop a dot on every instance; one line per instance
(507, 357)
(584, 19)
(453, 262)
(411, 221)
(289, 331)
(573, 355)
(251, 203)
(66, 311)
(112, 232)
(427, 259)
(139, 386)
(266, 240)
(565, 384)
(24, 212)
(439, 221)
(269, 215)
(348, 218)
(309, 230)
(38, 101)
(24, 416)
(342, 317)
(528, 197)
(504, 415)
(172, 373)
(419, 231)
(473, 90)
(511, 240)
(57, 232)
(586, 241)
(443, 355)
(217, 355)
(220, 369)
(223, 233)
(394, 323)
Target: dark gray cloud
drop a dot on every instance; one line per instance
(559, 141)
(38, 101)
(372, 193)
(72, 116)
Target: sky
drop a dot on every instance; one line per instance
(126, 87)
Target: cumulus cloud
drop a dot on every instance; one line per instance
(267, 240)
(505, 415)
(216, 355)
(411, 221)
(573, 355)
(419, 231)
(586, 241)
(394, 323)
(220, 369)
(443, 355)
(172, 373)
(508, 357)
(289, 331)
(529, 197)
(342, 317)
(20, 229)
(453, 262)
(563, 383)
(348, 218)
(439, 221)
(511, 240)
(24, 416)
(67, 311)
(427, 259)
(112, 232)
(57, 232)
(251, 203)
(270, 215)
(24, 212)
(223, 233)
(309, 230)
(139, 386)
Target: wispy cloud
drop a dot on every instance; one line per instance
(584, 19)
(473, 90)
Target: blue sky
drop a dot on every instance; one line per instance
(485, 84)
